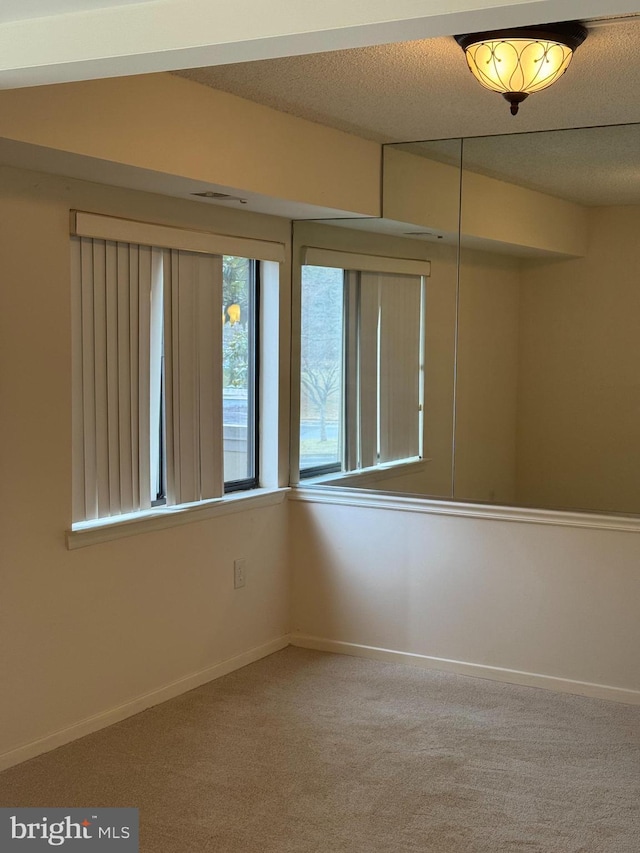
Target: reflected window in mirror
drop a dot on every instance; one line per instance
(362, 342)
(321, 370)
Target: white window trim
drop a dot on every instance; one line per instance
(102, 227)
(363, 477)
(95, 532)
(315, 257)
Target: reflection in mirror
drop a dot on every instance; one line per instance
(530, 387)
(548, 390)
(322, 393)
(377, 337)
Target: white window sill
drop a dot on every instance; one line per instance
(365, 476)
(105, 529)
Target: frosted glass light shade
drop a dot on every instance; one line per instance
(520, 65)
(517, 63)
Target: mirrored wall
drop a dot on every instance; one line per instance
(528, 390)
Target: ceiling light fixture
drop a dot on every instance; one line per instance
(518, 62)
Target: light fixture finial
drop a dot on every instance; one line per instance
(515, 99)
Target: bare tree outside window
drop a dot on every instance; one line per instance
(321, 367)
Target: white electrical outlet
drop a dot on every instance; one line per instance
(239, 573)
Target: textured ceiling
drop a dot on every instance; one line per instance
(596, 166)
(423, 89)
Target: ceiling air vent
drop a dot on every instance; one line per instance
(220, 196)
(424, 235)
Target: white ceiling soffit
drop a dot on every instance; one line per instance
(88, 40)
(23, 10)
(423, 89)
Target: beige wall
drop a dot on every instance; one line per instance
(529, 603)
(518, 217)
(548, 393)
(174, 127)
(579, 381)
(487, 378)
(421, 191)
(497, 213)
(85, 631)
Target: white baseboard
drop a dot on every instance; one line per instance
(140, 703)
(189, 682)
(494, 673)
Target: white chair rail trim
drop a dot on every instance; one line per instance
(411, 503)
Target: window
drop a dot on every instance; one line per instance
(321, 370)
(165, 366)
(361, 364)
(240, 370)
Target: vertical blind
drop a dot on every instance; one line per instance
(130, 304)
(399, 367)
(193, 375)
(367, 335)
(383, 347)
(111, 349)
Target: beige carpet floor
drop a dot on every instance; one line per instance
(305, 752)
